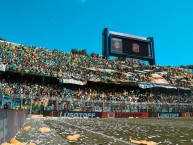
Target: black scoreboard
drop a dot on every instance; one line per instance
(126, 45)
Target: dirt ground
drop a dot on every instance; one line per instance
(177, 131)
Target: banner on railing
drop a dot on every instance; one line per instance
(145, 85)
(108, 114)
(131, 114)
(187, 114)
(2, 67)
(72, 114)
(168, 115)
(73, 81)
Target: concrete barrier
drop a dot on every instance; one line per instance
(11, 121)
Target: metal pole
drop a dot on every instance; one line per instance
(11, 101)
(30, 107)
(57, 103)
(21, 101)
(1, 96)
(43, 81)
(52, 108)
(178, 91)
(4, 128)
(103, 106)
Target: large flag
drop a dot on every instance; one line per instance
(157, 79)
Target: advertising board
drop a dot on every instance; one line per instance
(131, 114)
(72, 114)
(168, 115)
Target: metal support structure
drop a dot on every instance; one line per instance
(21, 101)
(11, 101)
(1, 96)
(105, 43)
(30, 107)
(43, 81)
(152, 62)
(4, 130)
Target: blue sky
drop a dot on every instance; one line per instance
(67, 24)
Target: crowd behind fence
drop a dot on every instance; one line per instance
(101, 106)
(124, 106)
(39, 94)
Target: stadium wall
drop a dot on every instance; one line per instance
(77, 114)
(11, 121)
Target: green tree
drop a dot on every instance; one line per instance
(74, 51)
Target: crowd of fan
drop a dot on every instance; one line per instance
(45, 95)
(41, 61)
(53, 63)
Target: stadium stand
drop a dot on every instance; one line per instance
(50, 79)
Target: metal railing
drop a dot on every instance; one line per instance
(96, 105)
